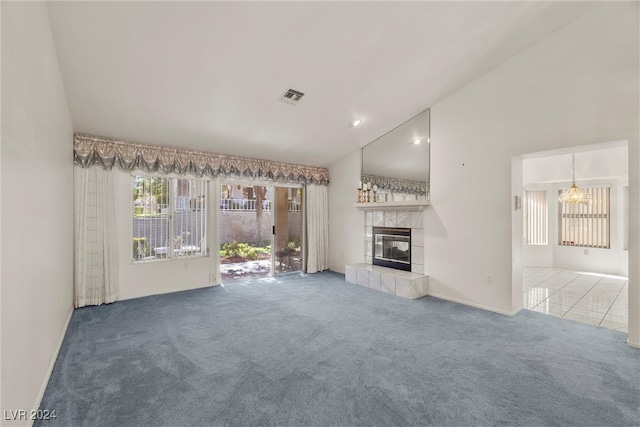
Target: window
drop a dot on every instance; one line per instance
(585, 224)
(535, 217)
(169, 217)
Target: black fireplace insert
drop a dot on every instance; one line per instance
(392, 247)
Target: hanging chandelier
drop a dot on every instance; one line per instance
(574, 195)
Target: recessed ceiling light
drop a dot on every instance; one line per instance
(355, 122)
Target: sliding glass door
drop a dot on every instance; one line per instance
(261, 228)
(288, 211)
(246, 220)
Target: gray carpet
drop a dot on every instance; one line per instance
(316, 350)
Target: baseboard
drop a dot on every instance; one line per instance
(337, 270)
(633, 344)
(471, 304)
(51, 365)
(516, 311)
(163, 292)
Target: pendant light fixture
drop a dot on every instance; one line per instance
(574, 195)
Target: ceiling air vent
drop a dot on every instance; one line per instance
(291, 96)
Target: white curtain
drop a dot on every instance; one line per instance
(317, 219)
(96, 246)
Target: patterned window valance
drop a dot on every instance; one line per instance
(91, 150)
(397, 185)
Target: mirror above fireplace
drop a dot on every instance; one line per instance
(398, 161)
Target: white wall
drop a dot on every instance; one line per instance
(593, 162)
(37, 206)
(346, 223)
(151, 278)
(579, 86)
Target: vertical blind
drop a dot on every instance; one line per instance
(586, 224)
(535, 217)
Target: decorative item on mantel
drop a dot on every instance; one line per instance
(365, 190)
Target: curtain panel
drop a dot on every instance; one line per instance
(91, 150)
(317, 221)
(96, 248)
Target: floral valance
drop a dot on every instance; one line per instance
(397, 185)
(91, 150)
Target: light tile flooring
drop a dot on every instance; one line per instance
(597, 299)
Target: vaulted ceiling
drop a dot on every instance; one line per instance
(208, 75)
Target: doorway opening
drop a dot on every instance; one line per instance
(574, 262)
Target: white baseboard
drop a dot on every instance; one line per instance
(633, 344)
(43, 388)
(471, 304)
(125, 297)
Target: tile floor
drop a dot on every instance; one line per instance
(597, 299)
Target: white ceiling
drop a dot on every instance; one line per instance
(207, 75)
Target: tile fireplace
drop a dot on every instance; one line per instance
(400, 240)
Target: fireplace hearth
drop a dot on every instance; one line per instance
(392, 247)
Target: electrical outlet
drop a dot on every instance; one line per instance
(586, 251)
(488, 279)
(186, 265)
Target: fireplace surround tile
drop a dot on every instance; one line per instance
(416, 220)
(396, 282)
(417, 268)
(378, 219)
(403, 219)
(350, 274)
(421, 288)
(388, 283)
(363, 277)
(417, 255)
(417, 237)
(403, 288)
(368, 247)
(390, 219)
(375, 280)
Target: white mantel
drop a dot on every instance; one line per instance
(403, 205)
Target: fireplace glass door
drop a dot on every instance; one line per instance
(392, 248)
